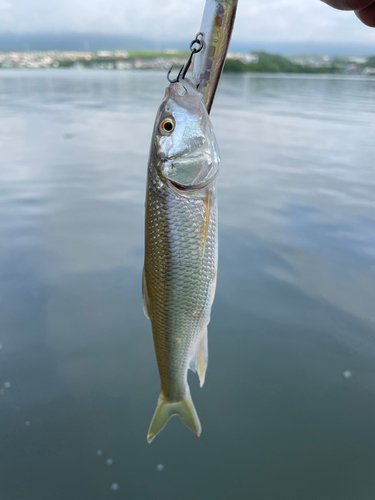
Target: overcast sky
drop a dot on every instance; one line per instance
(257, 20)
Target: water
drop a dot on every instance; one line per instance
(288, 408)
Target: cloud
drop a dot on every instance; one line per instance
(296, 20)
(257, 20)
(5, 11)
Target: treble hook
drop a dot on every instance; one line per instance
(185, 67)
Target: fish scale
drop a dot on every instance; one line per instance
(181, 276)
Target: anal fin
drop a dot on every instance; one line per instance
(201, 358)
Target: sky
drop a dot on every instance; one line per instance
(257, 20)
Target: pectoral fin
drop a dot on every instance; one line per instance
(208, 203)
(146, 300)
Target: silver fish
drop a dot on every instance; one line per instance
(179, 275)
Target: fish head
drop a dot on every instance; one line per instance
(186, 150)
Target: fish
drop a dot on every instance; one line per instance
(181, 247)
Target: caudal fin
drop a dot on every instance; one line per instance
(166, 409)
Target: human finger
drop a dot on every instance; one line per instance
(349, 4)
(367, 15)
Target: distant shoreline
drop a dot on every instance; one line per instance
(254, 62)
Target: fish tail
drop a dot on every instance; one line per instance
(166, 409)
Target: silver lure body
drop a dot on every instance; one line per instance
(180, 267)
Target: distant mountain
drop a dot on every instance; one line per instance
(307, 48)
(71, 41)
(95, 41)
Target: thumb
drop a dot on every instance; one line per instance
(367, 15)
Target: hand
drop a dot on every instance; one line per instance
(364, 9)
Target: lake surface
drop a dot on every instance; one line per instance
(288, 407)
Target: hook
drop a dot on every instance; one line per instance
(178, 76)
(185, 67)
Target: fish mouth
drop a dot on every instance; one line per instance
(164, 159)
(180, 187)
(175, 184)
(189, 187)
(183, 187)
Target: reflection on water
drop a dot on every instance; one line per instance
(288, 408)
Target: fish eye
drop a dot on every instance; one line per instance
(167, 126)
